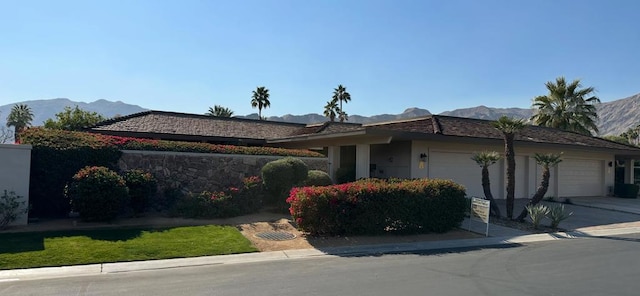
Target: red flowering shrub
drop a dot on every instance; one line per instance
(375, 206)
(97, 193)
(222, 204)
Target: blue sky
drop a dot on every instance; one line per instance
(187, 55)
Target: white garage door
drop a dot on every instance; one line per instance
(461, 169)
(580, 177)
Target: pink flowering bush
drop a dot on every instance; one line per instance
(375, 206)
(97, 193)
(234, 201)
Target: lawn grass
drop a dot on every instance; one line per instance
(59, 248)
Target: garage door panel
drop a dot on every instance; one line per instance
(580, 177)
(460, 168)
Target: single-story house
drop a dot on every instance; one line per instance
(434, 146)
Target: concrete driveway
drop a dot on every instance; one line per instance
(593, 212)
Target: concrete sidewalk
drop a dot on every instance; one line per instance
(587, 221)
(350, 251)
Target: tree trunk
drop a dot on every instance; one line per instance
(486, 187)
(540, 192)
(509, 154)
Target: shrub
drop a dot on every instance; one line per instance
(97, 193)
(252, 194)
(345, 175)
(223, 204)
(537, 213)
(142, 187)
(205, 205)
(10, 208)
(376, 206)
(279, 176)
(558, 214)
(318, 178)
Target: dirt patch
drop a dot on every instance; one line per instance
(303, 241)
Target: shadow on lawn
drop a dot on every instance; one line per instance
(34, 241)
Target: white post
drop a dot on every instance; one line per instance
(628, 171)
(334, 160)
(363, 153)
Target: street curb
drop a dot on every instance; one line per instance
(371, 250)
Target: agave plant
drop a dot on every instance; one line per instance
(537, 213)
(558, 214)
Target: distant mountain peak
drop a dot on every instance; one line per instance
(45, 109)
(615, 116)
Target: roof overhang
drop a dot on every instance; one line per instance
(362, 136)
(378, 136)
(180, 137)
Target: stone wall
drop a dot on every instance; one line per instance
(197, 172)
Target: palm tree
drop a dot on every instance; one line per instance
(20, 118)
(260, 99)
(343, 116)
(547, 161)
(340, 94)
(331, 109)
(484, 160)
(219, 111)
(568, 107)
(509, 128)
(631, 135)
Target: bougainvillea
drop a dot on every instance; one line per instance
(97, 193)
(375, 206)
(233, 201)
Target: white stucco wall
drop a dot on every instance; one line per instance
(528, 173)
(15, 165)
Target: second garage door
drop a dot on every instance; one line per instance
(580, 177)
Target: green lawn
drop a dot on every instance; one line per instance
(57, 248)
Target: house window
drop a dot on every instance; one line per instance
(636, 172)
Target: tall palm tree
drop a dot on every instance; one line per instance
(484, 160)
(260, 99)
(219, 111)
(509, 128)
(331, 110)
(340, 95)
(547, 161)
(568, 107)
(20, 118)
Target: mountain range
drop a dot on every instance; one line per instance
(45, 109)
(615, 116)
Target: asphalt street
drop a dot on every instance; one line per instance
(586, 266)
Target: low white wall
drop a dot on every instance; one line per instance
(15, 165)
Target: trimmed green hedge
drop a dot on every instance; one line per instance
(57, 155)
(279, 176)
(374, 206)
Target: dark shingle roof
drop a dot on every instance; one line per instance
(479, 128)
(171, 123)
(201, 127)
